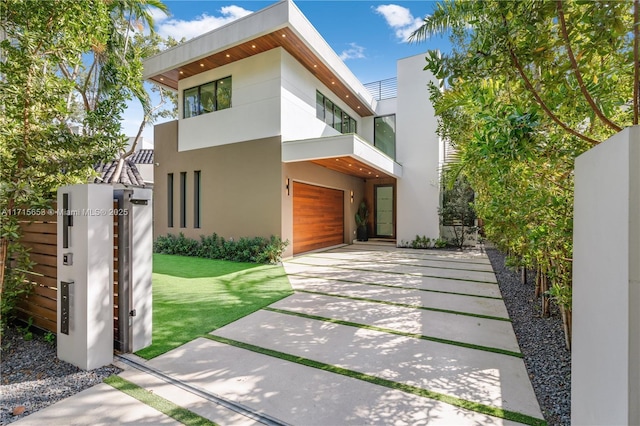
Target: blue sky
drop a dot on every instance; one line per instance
(370, 36)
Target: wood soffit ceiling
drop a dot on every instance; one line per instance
(351, 166)
(285, 38)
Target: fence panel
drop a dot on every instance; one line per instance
(39, 235)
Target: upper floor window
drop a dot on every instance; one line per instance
(384, 134)
(334, 116)
(207, 97)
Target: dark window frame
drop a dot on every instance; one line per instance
(332, 110)
(394, 134)
(197, 193)
(215, 106)
(183, 199)
(170, 200)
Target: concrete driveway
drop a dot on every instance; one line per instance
(373, 335)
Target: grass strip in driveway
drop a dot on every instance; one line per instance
(410, 274)
(396, 332)
(193, 296)
(165, 406)
(448, 399)
(405, 305)
(395, 286)
(395, 262)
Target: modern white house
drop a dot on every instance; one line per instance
(276, 136)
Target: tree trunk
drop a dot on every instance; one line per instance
(4, 244)
(567, 320)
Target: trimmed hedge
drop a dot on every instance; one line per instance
(256, 249)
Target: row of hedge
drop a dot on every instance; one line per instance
(256, 249)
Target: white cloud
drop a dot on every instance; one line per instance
(354, 52)
(399, 19)
(179, 28)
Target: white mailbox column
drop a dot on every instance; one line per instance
(605, 376)
(85, 275)
(141, 232)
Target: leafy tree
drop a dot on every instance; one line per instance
(457, 207)
(528, 86)
(61, 111)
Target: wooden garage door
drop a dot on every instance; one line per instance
(318, 217)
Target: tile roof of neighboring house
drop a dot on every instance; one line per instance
(129, 176)
(144, 156)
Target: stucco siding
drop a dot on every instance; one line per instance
(240, 187)
(255, 104)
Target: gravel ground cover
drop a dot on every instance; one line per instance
(32, 377)
(541, 341)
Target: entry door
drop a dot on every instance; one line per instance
(384, 211)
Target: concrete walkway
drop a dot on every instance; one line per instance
(373, 335)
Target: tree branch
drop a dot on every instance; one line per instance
(536, 95)
(578, 74)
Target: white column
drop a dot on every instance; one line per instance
(141, 233)
(87, 262)
(418, 151)
(605, 386)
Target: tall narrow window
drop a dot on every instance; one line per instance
(223, 93)
(183, 199)
(191, 103)
(196, 199)
(384, 134)
(320, 106)
(334, 116)
(170, 200)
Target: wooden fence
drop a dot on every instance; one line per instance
(40, 236)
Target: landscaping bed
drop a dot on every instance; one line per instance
(541, 341)
(32, 377)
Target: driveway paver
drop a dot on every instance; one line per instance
(373, 335)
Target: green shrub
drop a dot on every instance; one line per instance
(256, 250)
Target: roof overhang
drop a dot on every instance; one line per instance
(279, 25)
(347, 154)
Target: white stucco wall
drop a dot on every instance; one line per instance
(605, 376)
(255, 104)
(417, 150)
(299, 88)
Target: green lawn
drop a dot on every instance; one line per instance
(193, 296)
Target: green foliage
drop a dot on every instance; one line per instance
(421, 242)
(440, 243)
(362, 215)
(49, 337)
(527, 87)
(27, 334)
(457, 209)
(16, 285)
(424, 242)
(68, 69)
(257, 249)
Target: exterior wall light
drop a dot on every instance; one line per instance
(286, 184)
(352, 197)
